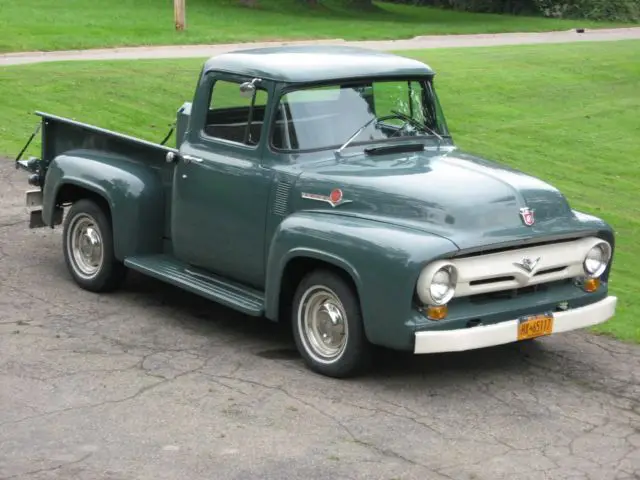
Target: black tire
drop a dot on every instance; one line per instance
(354, 356)
(109, 273)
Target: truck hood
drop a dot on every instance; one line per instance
(469, 200)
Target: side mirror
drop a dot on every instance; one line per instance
(248, 89)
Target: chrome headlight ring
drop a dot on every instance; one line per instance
(437, 283)
(597, 259)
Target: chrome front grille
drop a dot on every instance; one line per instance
(546, 271)
(518, 269)
(481, 298)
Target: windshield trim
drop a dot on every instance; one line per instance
(277, 99)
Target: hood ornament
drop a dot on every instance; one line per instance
(527, 216)
(335, 198)
(528, 264)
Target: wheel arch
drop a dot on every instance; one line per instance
(71, 190)
(296, 265)
(131, 193)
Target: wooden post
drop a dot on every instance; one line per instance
(179, 15)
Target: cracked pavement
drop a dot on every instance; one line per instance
(155, 383)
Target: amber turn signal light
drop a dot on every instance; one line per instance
(591, 284)
(436, 312)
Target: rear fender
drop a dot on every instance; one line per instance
(133, 192)
(382, 260)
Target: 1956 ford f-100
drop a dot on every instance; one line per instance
(321, 186)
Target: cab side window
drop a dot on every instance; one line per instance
(231, 116)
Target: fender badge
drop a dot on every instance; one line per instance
(527, 216)
(334, 199)
(528, 264)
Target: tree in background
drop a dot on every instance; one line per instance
(615, 10)
(354, 3)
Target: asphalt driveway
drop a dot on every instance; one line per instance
(155, 383)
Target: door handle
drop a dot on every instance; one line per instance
(190, 158)
(172, 157)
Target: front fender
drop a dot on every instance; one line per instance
(384, 262)
(132, 190)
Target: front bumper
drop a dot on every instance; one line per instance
(507, 332)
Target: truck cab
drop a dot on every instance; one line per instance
(320, 186)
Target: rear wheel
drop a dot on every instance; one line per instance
(88, 248)
(327, 326)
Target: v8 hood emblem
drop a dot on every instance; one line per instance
(528, 264)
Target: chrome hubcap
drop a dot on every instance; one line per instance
(86, 246)
(324, 323)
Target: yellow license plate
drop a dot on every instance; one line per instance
(535, 326)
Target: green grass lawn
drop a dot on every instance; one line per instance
(566, 113)
(72, 24)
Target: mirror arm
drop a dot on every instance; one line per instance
(248, 131)
(253, 90)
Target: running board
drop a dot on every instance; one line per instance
(170, 270)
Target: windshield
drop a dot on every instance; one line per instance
(327, 117)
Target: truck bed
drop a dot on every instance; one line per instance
(60, 134)
(64, 136)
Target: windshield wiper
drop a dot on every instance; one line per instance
(350, 139)
(418, 124)
(395, 114)
(359, 131)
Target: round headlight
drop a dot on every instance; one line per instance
(441, 285)
(437, 284)
(597, 259)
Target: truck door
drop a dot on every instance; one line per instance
(221, 190)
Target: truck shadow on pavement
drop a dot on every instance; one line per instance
(274, 342)
(160, 315)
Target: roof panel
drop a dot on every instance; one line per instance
(315, 63)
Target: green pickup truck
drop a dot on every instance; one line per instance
(321, 186)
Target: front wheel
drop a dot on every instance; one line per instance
(327, 326)
(88, 248)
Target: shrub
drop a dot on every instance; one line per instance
(613, 10)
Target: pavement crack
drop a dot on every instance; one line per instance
(354, 438)
(595, 343)
(11, 224)
(137, 394)
(49, 469)
(416, 420)
(589, 384)
(222, 384)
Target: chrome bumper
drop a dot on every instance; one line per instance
(507, 332)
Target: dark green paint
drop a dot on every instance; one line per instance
(383, 260)
(316, 64)
(133, 192)
(230, 227)
(465, 199)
